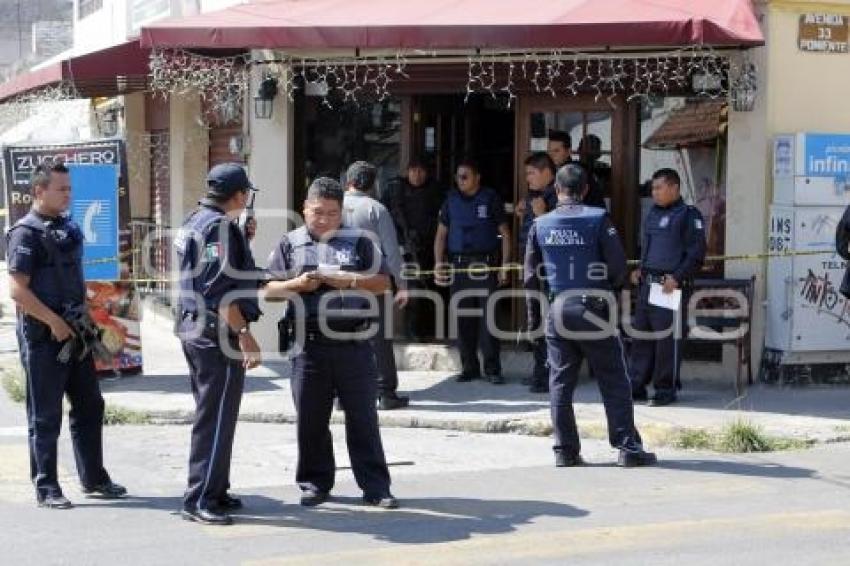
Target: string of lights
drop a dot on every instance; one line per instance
(224, 81)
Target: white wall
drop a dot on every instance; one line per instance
(271, 170)
(102, 29)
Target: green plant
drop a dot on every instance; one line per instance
(694, 439)
(13, 383)
(122, 416)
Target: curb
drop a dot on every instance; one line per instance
(656, 434)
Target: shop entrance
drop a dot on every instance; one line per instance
(445, 130)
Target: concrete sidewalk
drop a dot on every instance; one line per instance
(708, 402)
(437, 401)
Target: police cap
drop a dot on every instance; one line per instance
(225, 179)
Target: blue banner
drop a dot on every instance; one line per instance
(827, 155)
(94, 206)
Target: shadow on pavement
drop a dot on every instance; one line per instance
(769, 470)
(418, 521)
(175, 384)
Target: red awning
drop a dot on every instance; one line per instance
(111, 71)
(447, 24)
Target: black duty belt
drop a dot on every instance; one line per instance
(313, 332)
(465, 259)
(592, 301)
(648, 278)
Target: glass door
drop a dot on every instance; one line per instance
(598, 136)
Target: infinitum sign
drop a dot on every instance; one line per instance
(824, 33)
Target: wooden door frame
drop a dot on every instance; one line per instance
(624, 155)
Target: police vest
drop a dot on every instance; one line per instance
(569, 242)
(188, 244)
(56, 286)
(339, 251)
(665, 244)
(472, 227)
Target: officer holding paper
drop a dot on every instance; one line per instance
(672, 251)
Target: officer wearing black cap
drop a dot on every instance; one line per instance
(472, 221)
(45, 250)
(575, 258)
(329, 274)
(217, 301)
(672, 251)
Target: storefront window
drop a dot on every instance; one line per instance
(590, 140)
(332, 139)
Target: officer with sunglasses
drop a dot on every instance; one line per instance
(472, 234)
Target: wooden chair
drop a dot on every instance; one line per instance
(731, 311)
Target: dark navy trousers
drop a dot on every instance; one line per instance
(607, 361)
(217, 383)
(347, 369)
(382, 344)
(659, 360)
(47, 383)
(473, 331)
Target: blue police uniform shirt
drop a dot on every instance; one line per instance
(215, 259)
(674, 241)
(28, 255)
(574, 247)
(347, 249)
(473, 221)
(550, 197)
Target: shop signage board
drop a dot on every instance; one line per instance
(811, 169)
(94, 206)
(101, 205)
(823, 33)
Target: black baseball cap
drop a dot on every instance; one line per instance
(227, 178)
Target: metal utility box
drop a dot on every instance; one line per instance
(805, 312)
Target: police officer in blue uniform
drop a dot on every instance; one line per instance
(217, 302)
(329, 274)
(672, 251)
(575, 258)
(540, 199)
(472, 221)
(45, 250)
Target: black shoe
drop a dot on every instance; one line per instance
(383, 501)
(58, 501)
(312, 498)
(465, 377)
(662, 400)
(563, 460)
(496, 379)
(640, 395)
(105, 490)
(539, 388)
(390, 402)
(206, 516)
(634, 457)
(228, 503)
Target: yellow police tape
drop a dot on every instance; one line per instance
(519, 267)
(449, 270)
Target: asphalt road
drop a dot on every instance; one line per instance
(466, 499)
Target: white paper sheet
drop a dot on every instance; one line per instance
(659, 298)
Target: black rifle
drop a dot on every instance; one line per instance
(86, 339)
